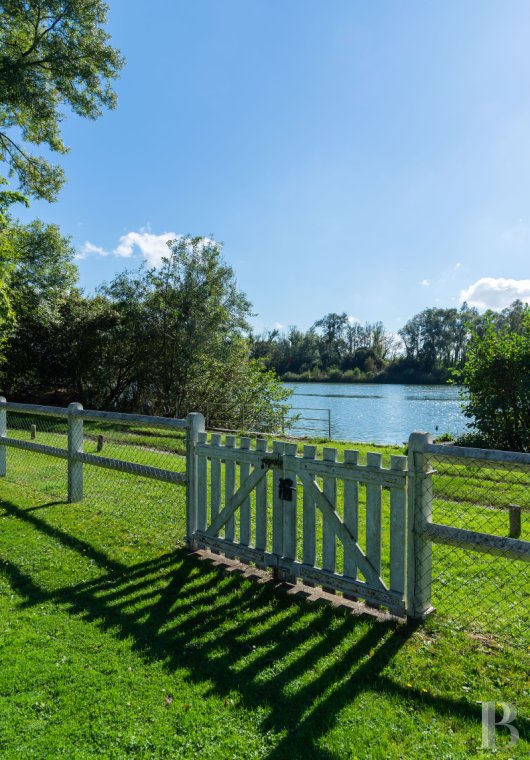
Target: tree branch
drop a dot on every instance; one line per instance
(39, 37)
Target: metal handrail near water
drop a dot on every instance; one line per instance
(237, 419)
(326, 420)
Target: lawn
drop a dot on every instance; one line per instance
(115, 643)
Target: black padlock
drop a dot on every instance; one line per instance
(285, 489)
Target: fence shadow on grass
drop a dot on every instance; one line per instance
(300, 661)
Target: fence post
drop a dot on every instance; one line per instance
(3, 433)
(419, 546)
(195, 426)
(75, 445)
(515, 521)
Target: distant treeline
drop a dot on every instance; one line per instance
(427, 349)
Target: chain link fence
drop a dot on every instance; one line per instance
(126, 492)
(105, 490)
(33, 469)
(487, 594)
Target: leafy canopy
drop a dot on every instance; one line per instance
(54, 54)
(496, 378)
(8, 255)
(173, 339)
(33, 285)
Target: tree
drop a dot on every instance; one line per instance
(194, 310)
(54, 54)
(44, 269)
(437, 338)
(180, 340)
(496, 379)
(39, 279)
(177, 337)
(7, 260)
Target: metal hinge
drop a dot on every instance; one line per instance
(271, 462)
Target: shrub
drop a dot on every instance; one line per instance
(496, 380)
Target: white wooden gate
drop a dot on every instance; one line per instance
(320, 520)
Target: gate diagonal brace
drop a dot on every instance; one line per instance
(342, 532)
(235, 501)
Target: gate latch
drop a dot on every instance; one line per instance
(285, 489)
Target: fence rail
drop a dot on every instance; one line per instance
(295, 422)
(469, 540)
(73, 453)
(445, 527)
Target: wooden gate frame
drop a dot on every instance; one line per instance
(254, 465)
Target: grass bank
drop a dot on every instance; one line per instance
(115, 643)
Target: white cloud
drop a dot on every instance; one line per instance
(353, 320)
(425, 283)
(496, 292)
(152, 247)
(89, 249)
(278, 326)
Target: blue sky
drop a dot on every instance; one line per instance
(366, 157)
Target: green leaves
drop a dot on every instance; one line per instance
(36, 274)
(55, 53)
(496, 377)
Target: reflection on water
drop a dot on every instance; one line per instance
(336, 395)
(384, 413)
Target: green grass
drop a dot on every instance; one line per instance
(466, 591)
(115, 643)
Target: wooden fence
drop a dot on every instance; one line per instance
(423, 532)
(277, 496)
(73, 453)
(362, 529)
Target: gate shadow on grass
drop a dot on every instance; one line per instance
(300, 661)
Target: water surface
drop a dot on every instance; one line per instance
(381, 413)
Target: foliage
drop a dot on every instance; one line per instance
(445, 438)
(170, 341)
(44, 269)
(55, 54)
(496, 379)
(8, 255)
(195, 314)
(38, 274)
(236, 391)
(339, 349)
(334, 344)
(177, 338)
(437, 337)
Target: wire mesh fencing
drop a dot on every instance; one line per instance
(486, 591)
(477, 518)
(126, 462)
(145, 499)
(34, 469)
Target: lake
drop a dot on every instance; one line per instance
(379, 413)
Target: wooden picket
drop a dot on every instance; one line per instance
(281, 532)
(364, 530)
